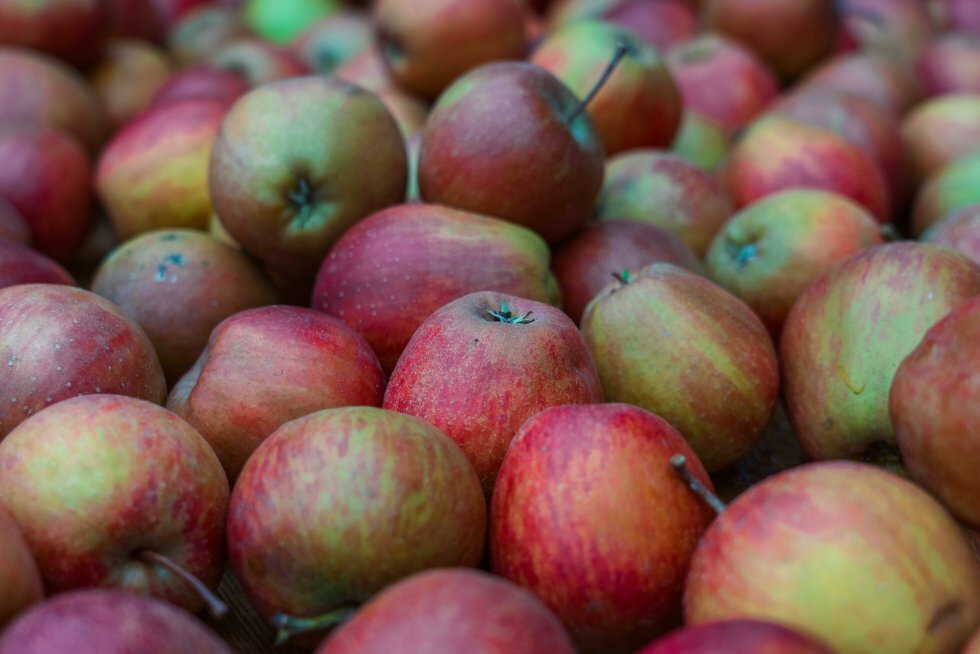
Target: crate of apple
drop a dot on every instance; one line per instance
(490, 326)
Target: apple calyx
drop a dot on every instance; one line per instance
(288, 626)
(216, 608)
(505, 315)
(741, 253)
(679, 463)
(624, 278)
(623, 48)
(303, 199)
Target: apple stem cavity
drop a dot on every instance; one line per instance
(679, 463)
(505, 315)
(623, 48)
(303, 198)
(288, 626)
(216, 607)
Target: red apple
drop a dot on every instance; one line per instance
(389, 272)
(265, 367)
(483, 364)
(959, 230)
(848, 332)
(589, 260)
(509, 140)
(20, 264)
(258, 62)
(128, 76)
(846, 552)
(737, 636)
(107, 621)
(872, 77)
(589, 515)
(949, 64)
(19, 577)
(200, 83)
(68, 29)
(428, 44)
(665, 190)
(941, 130)
(154, 172)
(451, 610)
(59, 342)
(950, 188)
(13, 227)
(47, 177)
(132, 478)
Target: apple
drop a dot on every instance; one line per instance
(771, 251)
(392, 270)
(451, 610)
(950, 188)
(895, 29)
(281, 21)
(736, 636)
(949, 63)
(777, 153)
(667, 191)
(585, 263)
(661, 23)
(639, 106)
(806, 30)
(129, 74)
(41, 91)
(200, 83)
(784, 550)
(264, 367)
(46, 176)
(870, 76)
(682, 347)
(298, 162)
(178, 285)
(203, 31)
(697, 65)
(484, 363)
(589, 515)
(20, 264)
(848, 332)
(702, 141)
(339, 504)
(332, 41)
(258, 62)
(509, 140)
(68, 29)
(154, 172)
(428, 44)
(133, 480)
(934, 405)
(19, 576)
(13, 227)
(109, 621)
(941, 130)
(959, 230)
(59, 342)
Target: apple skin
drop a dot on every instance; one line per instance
(203, 31)
(849, 331)
(667, 191)
(339, 504)
(777, 153)
(899, 31)
(682, 347)
(934, 405)
(13, 227)
(47, 177)
(200, 83)
(702, 141)
(586, 263)
(478, 378)
(941, 130)
(264, 367)
(257, 61)
(109, 621)
(872, 77)
(807, 30)
(589, 516)
(298, 162)
(737, 636)
(330, 42)
(367, 70)
(959, 230)
(19, 576)
(699, 63)
(790, 543)
(451, 610)
(390, 271)
(770, 251)
(949, 189)
(20, 264)
(128, 75)
(154, 172)
(639, 106)
(131, 476)
(949, 63)
(498, 142)
(59, 342)
(71, 30)
(157, 277)
(427, 45)
(41, 91)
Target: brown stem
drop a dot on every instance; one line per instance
(216, 607)
(679, 463)
(889, 232)
(622, 49)
(288, 626)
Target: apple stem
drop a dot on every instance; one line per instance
(622, 49)
(505, 315)
(889, 232)
(624, 277)
(216, 607)
(679, 463)
(288, 626)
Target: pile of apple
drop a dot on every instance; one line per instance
(434, 319)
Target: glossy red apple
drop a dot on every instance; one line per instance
(19, 577)
(738, 636)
